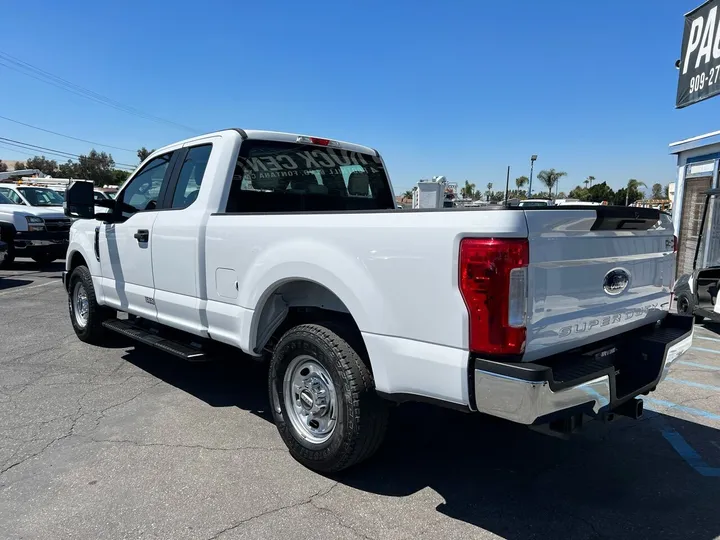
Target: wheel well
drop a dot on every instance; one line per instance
(76, 259)
(7, 232)
(300, 302)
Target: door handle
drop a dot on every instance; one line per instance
(143, 235)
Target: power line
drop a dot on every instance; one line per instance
(61, 153)
(66, 136)
(34, 72)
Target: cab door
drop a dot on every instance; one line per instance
(125, 247)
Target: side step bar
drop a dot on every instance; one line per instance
(128, 329)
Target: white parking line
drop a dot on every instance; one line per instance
(25, 288)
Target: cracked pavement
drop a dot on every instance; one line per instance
(127, 442)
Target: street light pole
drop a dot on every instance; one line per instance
(532, 163)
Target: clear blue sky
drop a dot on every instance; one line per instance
(461, 89)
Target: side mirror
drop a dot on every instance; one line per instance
(79, 200)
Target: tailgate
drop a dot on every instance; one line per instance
(595, 272)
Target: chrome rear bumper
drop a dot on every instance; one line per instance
(531, 393)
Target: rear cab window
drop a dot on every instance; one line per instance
(272, 176)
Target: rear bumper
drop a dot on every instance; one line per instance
(586, 381)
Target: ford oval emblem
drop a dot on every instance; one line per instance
(616, 281)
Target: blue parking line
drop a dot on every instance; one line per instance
(705, 350)
(694, 384)
(695, 364)
(708, 338)
(688, 410)
(687, 452)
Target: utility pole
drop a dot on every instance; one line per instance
(532, 163)
(507, 185)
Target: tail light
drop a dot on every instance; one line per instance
(493, 283)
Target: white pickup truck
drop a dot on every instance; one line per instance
(290, 248)
(37, 231)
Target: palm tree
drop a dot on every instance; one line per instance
(586, 182)
(468, 190)
(632, 184)
(489, 191)
(521, 182)
(590, 179)
(408, 194)
(550, 178)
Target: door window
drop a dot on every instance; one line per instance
(191, 175)
(10, 194)
(143, 191)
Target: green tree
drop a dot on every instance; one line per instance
(3, 166)
(96, 166)
(657, 191)
(119, 176)
(633, 187)
(468, 190)
(19, 166)
(477, 195)
(521, 182)
(667, 191)
(550, 178)
(488, 193)
(590, 179)
(47, 166)
(69, 170)
(580, 193)
(586, 182)
(143, 153)
(408, 194)
(601, 192)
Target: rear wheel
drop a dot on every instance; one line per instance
(323, 399)
(86, 314)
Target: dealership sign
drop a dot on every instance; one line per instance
(700, 61)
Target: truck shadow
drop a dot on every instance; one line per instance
(622, 480)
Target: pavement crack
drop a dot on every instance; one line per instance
(188, 446)
(242, 522)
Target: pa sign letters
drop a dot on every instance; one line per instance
(700, 61)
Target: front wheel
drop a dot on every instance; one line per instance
(7, 257)
(86, 314)
(323, 399)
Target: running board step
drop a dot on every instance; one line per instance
(128, 329)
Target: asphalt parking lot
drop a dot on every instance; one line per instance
(126, 442)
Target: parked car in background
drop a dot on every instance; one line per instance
(535, 203)
(39, 232)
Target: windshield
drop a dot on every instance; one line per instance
(5, 200)
(41, 196)
(100, 196)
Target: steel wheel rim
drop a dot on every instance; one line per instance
(310, 399)
(81, 306)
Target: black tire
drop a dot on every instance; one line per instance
(92, 331)
(686, 306)
(44, 260)
(362, 416)
(8, 259)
